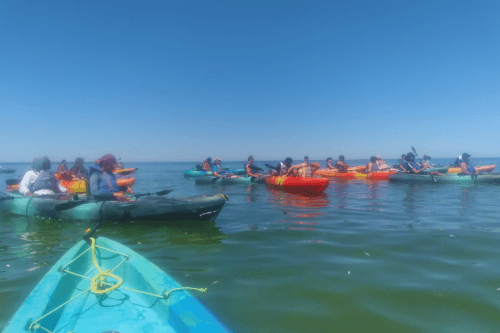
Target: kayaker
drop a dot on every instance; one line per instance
(282, 168)
(250, 170)
(414, 167)
(303, 170)
(62, 169)
(425, 160)
(329, 163)
(102, 181)
(30, 176)
(39, 180)
(402, 162)
(341, 165)
(381, 163)
(372, 166)
(207, 164)
(306, 160)
(467, 168)
(218, 170)
(78, 171)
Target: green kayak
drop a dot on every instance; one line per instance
(198, 173)
(448, 178)
(228, 180)
(153, 208)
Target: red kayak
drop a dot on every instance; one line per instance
(298, 185)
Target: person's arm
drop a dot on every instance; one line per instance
(250, 173)
(370, 167)
(296, 167)
(463, 166)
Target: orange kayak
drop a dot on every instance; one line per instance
(332, 172)
(298, 185)
(78, 186)
(355, 175)
(486, 168)
(124, 171)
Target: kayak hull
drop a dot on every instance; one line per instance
(298, 185)
(228, 180)
(448, 178)
(153, 208)
(196, 173)
(119, 310)
(486, 168)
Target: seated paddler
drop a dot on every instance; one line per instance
(465, 165)
(372, 166)
(207, 164)
(102, 181)
(78, 171)
(218, 170)
(329, 163)
(341, 164)
(282, 168)
(250, 168)
(40, 180)
(416, 168)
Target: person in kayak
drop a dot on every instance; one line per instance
(62, 169)
(218, 170)
(381, 163)
(282, 168)
(467, 168)
(414, 167)
(39, 180)
(372, 166)
(207, 164)
(341, 165)
(425, 160)
(78, 171)
(304, 170)
(402, 162)
(329, 163)
(306, 160)
(102, 181)
(250, 168)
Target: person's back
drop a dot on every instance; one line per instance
(207, 164)
(341, 165)
(102, 181)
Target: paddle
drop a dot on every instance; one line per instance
(255, 168)
(73, 204)
(270, 166)
(414, 151)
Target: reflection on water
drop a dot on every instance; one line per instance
(301, 211)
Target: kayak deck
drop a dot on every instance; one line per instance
(148, 300)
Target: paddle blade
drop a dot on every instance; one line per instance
(164, 192)
(270, 166)
(414, 150)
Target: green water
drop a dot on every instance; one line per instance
(364, 257)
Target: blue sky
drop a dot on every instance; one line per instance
(183, 80)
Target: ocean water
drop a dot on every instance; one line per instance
(363, 257)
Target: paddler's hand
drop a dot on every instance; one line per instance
(120, 196)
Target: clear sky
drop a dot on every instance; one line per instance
(183, 80)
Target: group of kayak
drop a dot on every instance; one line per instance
(97, 194)
(376, 169)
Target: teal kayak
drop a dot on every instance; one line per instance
(228, 180)
(448, 178)
(152, 208)
(196, 173)
(147, 300)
